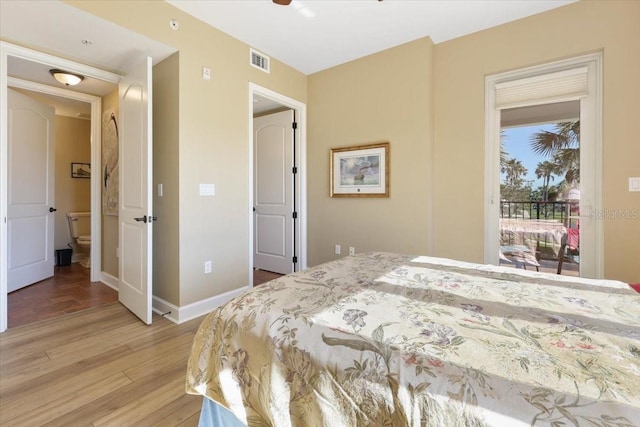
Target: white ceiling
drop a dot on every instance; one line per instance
(312, 35)
(308, 35)
(55, 27)
(60, 29)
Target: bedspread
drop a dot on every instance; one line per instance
(385, 339)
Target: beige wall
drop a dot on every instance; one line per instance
(460, 68)
(212, 141)
(166, 259)
(110, 237)
(384, 97)
(421, 98)
(73, 144)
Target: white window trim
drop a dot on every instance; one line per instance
(591, 112)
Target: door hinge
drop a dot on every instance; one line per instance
(294, 125)
(295, 259)
(295, 215)
(294, 170)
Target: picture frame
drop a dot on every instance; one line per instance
(80, 170)
(360, 170)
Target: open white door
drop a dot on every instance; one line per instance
(135, 220)
(30, 195)
(273, 187)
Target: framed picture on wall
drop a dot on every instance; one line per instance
(80, 170)
(360, 171)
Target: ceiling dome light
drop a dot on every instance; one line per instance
(282, 2)
(66, 78)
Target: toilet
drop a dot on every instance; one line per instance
(80, 231)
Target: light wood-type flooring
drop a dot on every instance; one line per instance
(73, 356)
(97, 367)
(69, 291)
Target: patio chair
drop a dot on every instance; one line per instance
(569, 247)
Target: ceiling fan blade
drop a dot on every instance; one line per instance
(282, 2)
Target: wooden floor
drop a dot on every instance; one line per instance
(68, 291)
(101, 366)
(261, 276)
(74, 356)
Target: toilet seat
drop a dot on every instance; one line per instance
(84, 240)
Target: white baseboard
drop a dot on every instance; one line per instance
(109, 280)
(191, 311)
(180, 314)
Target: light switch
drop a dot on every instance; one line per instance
(634, 184)
(207, 189)
(206, 73)
(160, 190)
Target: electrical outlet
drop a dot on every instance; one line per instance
(338, 249)
(352, 250)
(207, 267)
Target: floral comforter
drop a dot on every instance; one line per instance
(382, 339)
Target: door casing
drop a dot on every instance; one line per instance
(6, 50)
(300, 207)
(590, 157)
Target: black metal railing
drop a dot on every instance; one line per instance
(534, 210)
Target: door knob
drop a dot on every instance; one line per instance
(141, 219)
(52, 209)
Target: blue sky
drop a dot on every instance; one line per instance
(516, 144)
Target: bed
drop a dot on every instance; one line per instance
(383, 339)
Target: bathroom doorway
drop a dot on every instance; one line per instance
(38, 289)
(69, 287)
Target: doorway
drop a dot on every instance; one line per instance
(576, 81)
(539, 181)
(18, 56)
(264, 102)
(66, 287)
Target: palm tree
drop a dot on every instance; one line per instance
(504, 156)
(563, 146)
(546, 170)
(513, 170)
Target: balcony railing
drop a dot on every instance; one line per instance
(534, 210)
(538, 226)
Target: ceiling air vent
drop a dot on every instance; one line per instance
(259, 60)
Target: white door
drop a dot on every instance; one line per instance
(30, 196)
(135, 262)
(273, 192)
